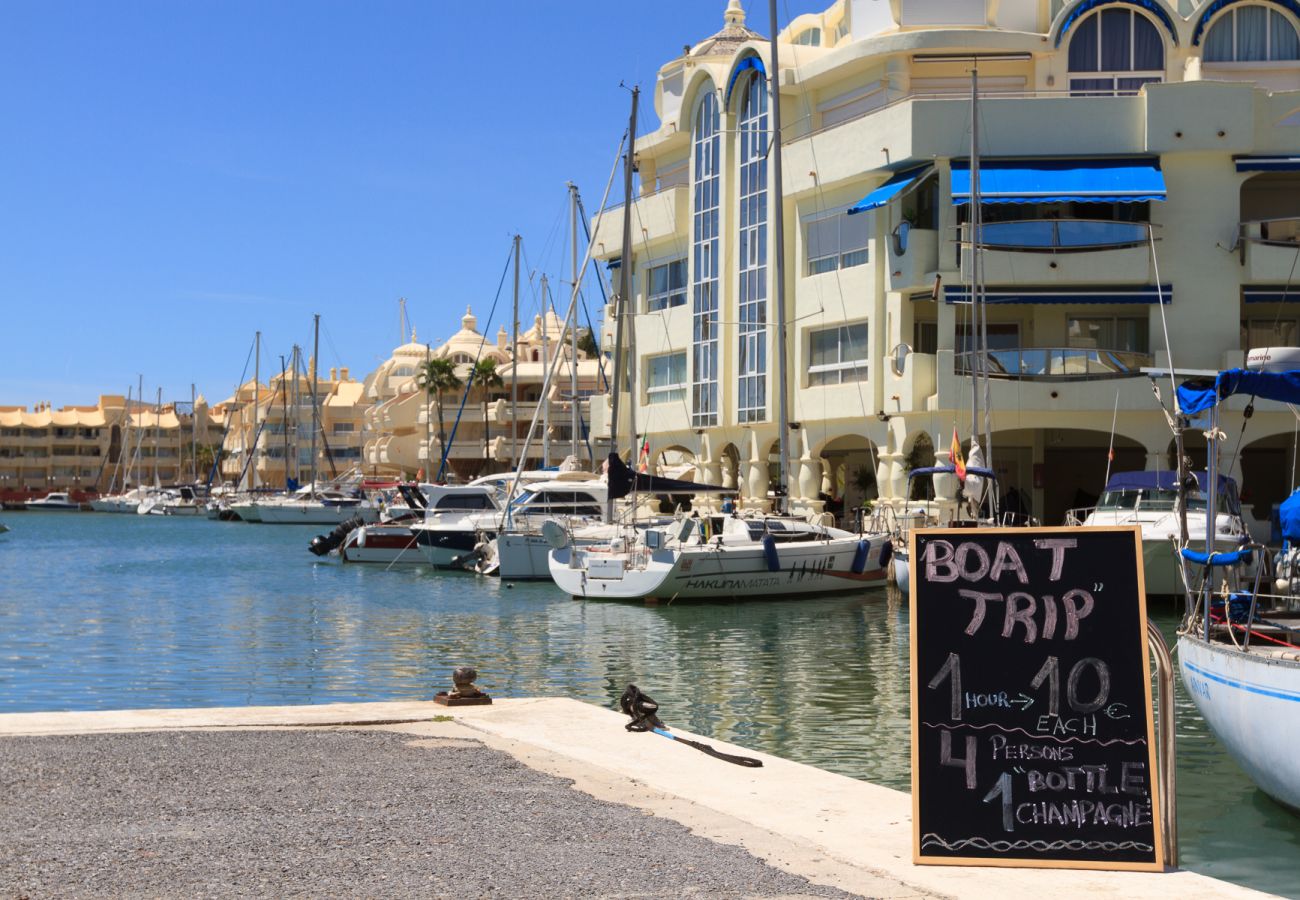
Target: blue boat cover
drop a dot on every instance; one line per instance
(1198, 396)
(1166, 480)
(1289, 517)
(889, 190)
(1061, 180)
(1229, 558)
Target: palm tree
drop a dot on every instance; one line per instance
(486, 374)
(436, 376)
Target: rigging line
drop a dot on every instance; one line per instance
(1164, 321)
(469, 382)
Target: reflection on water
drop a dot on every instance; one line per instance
(113, 612)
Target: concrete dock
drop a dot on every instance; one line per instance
(394, 799)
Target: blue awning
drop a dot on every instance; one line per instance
(1271, 293)
(745, 65)
(1061, 180)
(1142, 293)
(889, 190)
(1279, 163)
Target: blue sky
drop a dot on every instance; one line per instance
(177, 174)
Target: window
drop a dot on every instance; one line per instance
(838, 355)
(667, 286)
(401, 371)
(836, 242)
(1107, 333)
(1002, 336)
(1270, 332)
(666, 378)
(706, 149)
(809, 37)
(1251, 34)
(464, 501)
(344, 427)
(752, 291)
(1116, 51)
(925, 337)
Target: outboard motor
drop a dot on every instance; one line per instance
(322, 544)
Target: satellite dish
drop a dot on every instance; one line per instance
(555, 534)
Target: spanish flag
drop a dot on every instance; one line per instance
(955, 452)
(643, 458)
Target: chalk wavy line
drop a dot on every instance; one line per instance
(933, 840)
(1041, 737)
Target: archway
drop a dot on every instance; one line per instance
(1268, 475)
(849, 471)
(1074, 468)
(730, 459)
(919, 457)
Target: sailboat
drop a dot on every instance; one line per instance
(726, 556)
(1239, 649)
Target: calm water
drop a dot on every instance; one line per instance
(112, 612)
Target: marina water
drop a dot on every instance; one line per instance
(119, 612)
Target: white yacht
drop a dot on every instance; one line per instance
(56, 501)
(1148, 499)
(518, 549)
(449, 533)
(125, 502)
(313, 506)
(721, 557)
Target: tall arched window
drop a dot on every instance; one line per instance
(706, 146)
(1251, 34)
(752, 291)
(1115, 51)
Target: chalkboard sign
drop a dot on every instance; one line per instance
(1032, 737)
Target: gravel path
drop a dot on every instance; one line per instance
(330, 813)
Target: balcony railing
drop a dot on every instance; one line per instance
(1054, 363)
(1061, 235)
(1279, 232)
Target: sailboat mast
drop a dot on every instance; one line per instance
(311, 386)
(194, 437)
(546, 358)
(139, 430)
(514, 367)
(284, 415)
(257, 386)
(981, 335)
(157, 430)
(778, 228)
(573, 322)
(621, 301)
(974, 345)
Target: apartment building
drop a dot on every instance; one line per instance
(1139, 176)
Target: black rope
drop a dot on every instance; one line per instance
(645, 717)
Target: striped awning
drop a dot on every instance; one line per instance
(1061, 180)
(1144, 293)
(1278, 163)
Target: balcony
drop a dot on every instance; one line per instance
(1267, 249)
(657, 215)
(1064, 251)
(915, 264)
(1055, 363)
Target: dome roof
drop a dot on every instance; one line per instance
(733, 33)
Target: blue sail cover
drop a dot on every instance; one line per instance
(1061, 180)
(1289, 518)
(1198, 396)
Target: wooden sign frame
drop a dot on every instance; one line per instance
(1158, 854)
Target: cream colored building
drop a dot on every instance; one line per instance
(1098, 118)
(402, 421)
(275, 420)
(90, 448)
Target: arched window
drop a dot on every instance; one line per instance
(1251, 34)
(1115, 51)
(706, 147)
(752, 246)
(401, 371)
(809, 37)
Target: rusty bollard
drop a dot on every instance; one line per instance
(464, 692)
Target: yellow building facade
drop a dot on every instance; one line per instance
(487, 428)
(93, 449)
(1180, 126)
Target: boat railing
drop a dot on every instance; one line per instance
(1075, 518)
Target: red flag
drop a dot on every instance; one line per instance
(955, 452)
(643, 459)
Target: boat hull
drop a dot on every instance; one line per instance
(710, 572)
(902, 569)
(312, 514)
(115, 505)
(1251, 701)
(385, 544)
(445, 548)
(246, 511)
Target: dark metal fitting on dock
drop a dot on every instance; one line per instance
(464, 691)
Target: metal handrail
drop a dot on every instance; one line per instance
(1166, 742)
(1049, 363)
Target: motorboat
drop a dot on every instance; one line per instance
(1149, 500)
(125, 502)
(388, 541)
(517, 548)
(980, 484)
(1238, 645)
(184, 501)
(314, 506)
(450, 532)
(57, 501)
(721, 557)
